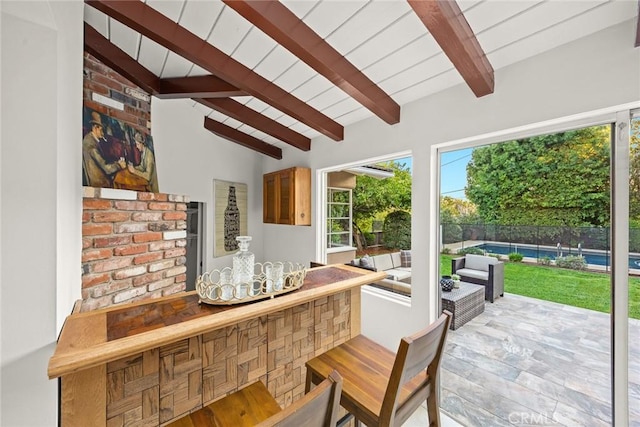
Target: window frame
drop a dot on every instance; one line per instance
(329, 218)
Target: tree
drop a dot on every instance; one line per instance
(457, 210)
(372, 196)
(397, 230)
(558, 179)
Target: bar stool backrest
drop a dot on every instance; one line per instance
(318, 408)
(417, 354)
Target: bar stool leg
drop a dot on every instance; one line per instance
(432, 408)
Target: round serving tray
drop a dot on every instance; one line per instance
(270, 279)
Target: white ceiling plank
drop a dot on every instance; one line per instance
(285, 120)
(242, 99)
(199, 16)
(328, 98)
(354, 116)
(406, 57)
(202, 109)
(229, 31)
(169, 8)
(469, 4)
(425, 88)
(573, 29)
(219, 117)
(231, 122)
(295, 76)
(299, 127)
(272, 113)
(486, 15)
(313, 87)
(98, 20)
(342, 107)
(275, 63)
(152, 55)
(257, 105)
(423, 71)
(124, 37)
(531, 21)
(401, 33)
(300, 8)
(325, 18)
(253, 48)
(176, 66)
(311, 133)
(250, 131)
(198, 71)
(368, 21)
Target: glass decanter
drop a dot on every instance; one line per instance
(243, 264)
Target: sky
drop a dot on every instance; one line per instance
(453, 173)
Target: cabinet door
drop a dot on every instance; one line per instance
(285, 198)
(269, 198)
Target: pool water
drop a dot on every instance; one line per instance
(592, 258)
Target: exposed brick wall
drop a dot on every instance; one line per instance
(133, 246)
(103, 80)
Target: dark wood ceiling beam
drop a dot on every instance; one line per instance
(283, 26)
(157, 27)
(448, 26)
(234, 135)
(256, 120)
(117, 59)
(197, 87)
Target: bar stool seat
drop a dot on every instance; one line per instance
(382, 388)
(254, 406)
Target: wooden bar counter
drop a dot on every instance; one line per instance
(149, 363)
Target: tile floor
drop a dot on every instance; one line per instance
(530, 362)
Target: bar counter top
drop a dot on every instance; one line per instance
(97, 337)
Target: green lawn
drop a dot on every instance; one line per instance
(576, 288)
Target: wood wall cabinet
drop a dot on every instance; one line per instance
(286, 197)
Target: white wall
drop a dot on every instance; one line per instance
(189, 158)
(41, 51)
(598, 71)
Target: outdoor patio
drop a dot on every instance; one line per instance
(531, 362)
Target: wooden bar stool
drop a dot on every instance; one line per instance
(254, 406)
(381, 388)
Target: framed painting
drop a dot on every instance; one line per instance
(229, 216)
(116, 155)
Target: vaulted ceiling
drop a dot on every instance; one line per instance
(270, 74)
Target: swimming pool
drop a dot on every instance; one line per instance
(594, 258)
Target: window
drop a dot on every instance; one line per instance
(338, 218)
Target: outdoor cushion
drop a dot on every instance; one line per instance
(405, 258)
(395, 258)
(382, 262)
(476, 274)
(356, 262)
(398, 274)
(366, 262)
(478, 262)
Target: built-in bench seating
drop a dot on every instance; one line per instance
(398, 270)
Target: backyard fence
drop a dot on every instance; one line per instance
(569, 238)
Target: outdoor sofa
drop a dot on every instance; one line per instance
(397, 265)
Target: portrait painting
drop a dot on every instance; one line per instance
(116, 155)
(229, 216)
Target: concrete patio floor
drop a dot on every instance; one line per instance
(531, 362)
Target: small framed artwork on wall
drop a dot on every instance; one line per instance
(229, 216)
